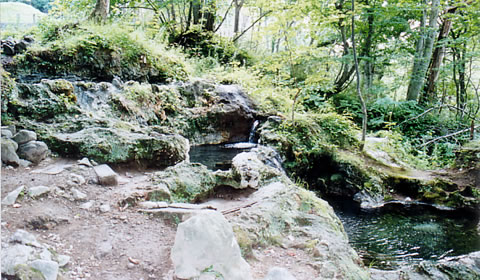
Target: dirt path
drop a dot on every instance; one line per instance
(115, 243)
(100, 243)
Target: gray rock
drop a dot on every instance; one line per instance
(185, 181)
(34, 151)
(9, 155)
(78, 179)
(206, 244)
(63, 260)
(38, 191)
(78, 195)
(104, 249)
(279, 273)
(25, 163)
(7, 133)
(15, 255)
(87, 205)
(123, 146)
(84, 161)
(24, 136)
(104, 208)
(106, 176)
(12, 196)
(21, 46)
(25, 238)
(49, 269)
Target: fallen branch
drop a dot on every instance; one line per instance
(448, 135)
(225, 212)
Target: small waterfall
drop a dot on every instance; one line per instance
(253, 130)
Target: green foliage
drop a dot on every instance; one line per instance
(198, 43)
(310, 138)
(101, 52)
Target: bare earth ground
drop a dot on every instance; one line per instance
(120, 243)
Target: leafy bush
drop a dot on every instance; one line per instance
(101, 52)
(206, 44)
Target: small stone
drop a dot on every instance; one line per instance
(12, 196)
(106, 176)
(79, 179)
(104, 208)
(87, 205)
(24, 163)
(38, 191)
(63, 260)
(49, 269)
(84, 161)
(130, 265)
(24, 136)
(78, 195)
(16, 205)
(279, 273)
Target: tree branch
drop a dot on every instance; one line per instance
(448, 135)
(251, 25)
(224, 17)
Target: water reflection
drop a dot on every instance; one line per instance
(397, 235)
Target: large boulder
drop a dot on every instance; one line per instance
(205, 245)
(251, 169)
(110, 145)
(9, 155)
(283, 210)
(228, 117)
(186, 182)
(34, 151)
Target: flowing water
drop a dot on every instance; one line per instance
(397, 234)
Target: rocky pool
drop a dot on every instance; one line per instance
(399, 234)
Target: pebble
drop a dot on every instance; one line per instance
(104, 208)
(87, 205)
(130, 265)
(78, 195)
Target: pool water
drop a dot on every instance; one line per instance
(399, 234)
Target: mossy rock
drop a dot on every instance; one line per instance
(187, 182)
(39, 102)
(108, 145)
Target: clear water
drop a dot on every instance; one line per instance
(399, 235)
(216, 156)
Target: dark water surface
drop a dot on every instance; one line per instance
(398, 235)
(217, 156)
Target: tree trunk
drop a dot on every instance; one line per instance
(236, 21)
(100, 13)
(359, 92)
(367, 52)
(437, 58)
(423, 53)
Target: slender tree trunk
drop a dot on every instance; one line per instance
(423, 53)
(437, 58)
(359, 92)
(100, 13)
(236, 20)
(367, 52)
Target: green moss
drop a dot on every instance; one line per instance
(100, 52)
(187, 182)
